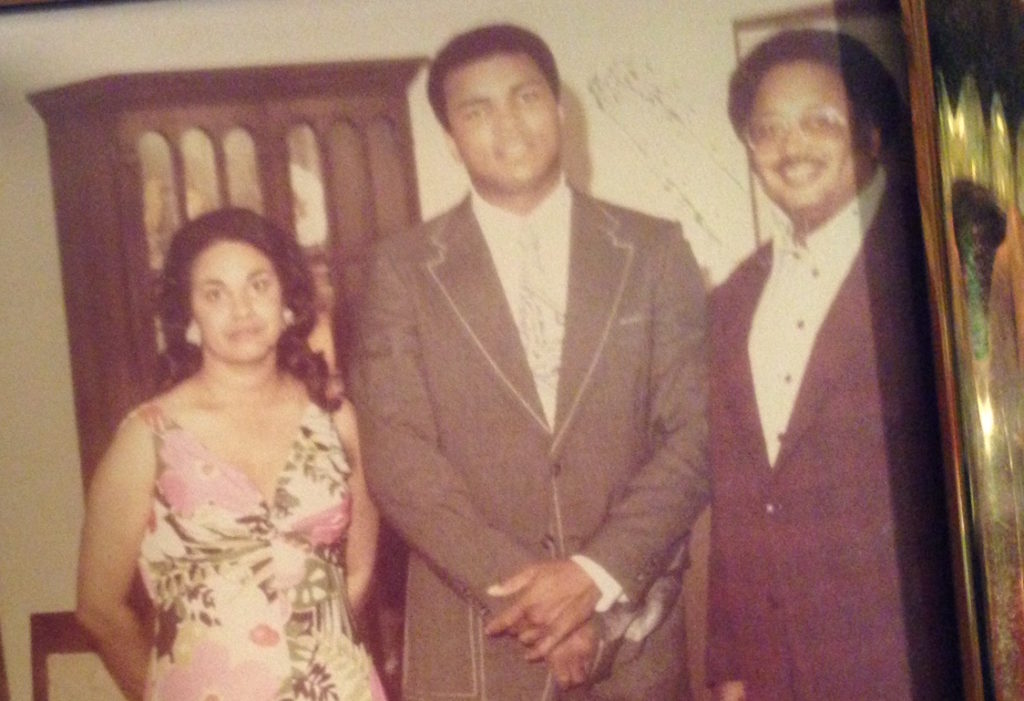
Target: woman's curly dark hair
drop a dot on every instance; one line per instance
(182, 359)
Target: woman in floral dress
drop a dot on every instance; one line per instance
(237, 493)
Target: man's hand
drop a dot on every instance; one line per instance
(552, 599)
(572, 660)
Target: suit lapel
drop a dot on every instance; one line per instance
(840, 339)
(464, 271)
(733, 311)
(843, 335)
(600, 262)
(848, 331)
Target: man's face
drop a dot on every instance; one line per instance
(505, 127)
(800, 142)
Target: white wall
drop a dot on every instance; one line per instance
(648, 76)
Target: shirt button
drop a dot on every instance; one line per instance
(800, 323)
(770, 508)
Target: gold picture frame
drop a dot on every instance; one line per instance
(964, 65)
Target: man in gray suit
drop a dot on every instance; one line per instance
(531, 380)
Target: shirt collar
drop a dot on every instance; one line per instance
(551, 214)
(821, 243)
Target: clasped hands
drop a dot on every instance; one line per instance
(551, 614)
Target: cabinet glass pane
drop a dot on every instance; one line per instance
(202, 193)
(351, 195)
(160, 216)
(242, 174)
(307, 183)
(388, 180)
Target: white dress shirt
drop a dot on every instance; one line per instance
(802, 285)
(507, 235)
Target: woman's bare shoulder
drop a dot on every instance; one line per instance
(346, 423)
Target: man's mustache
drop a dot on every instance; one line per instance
(791, 161)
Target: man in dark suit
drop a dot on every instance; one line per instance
(531, 378)
(830, 572)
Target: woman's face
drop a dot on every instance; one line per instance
(237, 302)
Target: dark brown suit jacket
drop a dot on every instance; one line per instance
(830, 575)
(461, 462)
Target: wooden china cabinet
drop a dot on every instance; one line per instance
(323, 149)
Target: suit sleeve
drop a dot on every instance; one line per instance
(720, 658)
(412, 482)
(644, 528)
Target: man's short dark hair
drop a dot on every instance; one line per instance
(485, 42)
(870, 88)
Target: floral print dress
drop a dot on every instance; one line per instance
(250, 595)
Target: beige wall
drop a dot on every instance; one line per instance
(646, 87)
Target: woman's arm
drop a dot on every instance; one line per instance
(362, 534)
(117, 510)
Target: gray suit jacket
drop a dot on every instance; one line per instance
(459, 458)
